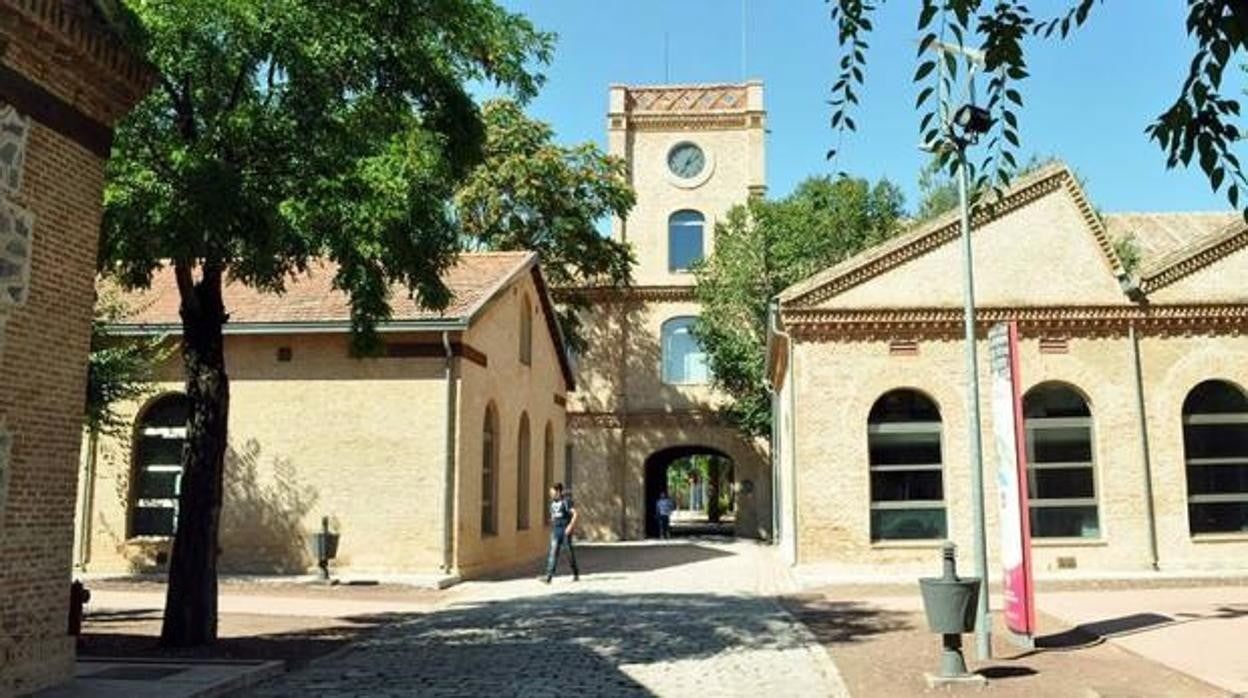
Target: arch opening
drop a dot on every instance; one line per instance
(701, 482)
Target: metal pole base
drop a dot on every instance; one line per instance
(952, 665)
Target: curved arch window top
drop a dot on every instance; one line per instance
(904, 450)
(1215, 444)
(489, 473)
(1061, 475)
(684, 240)
(684, 361)
(160, 437)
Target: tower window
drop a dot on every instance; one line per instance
(684, 240)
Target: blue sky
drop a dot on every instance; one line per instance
(1088, 100)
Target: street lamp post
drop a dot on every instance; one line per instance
(972, 122)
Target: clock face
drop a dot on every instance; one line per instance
(686, 160)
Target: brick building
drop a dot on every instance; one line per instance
(65, 82)
(1133, 380)
(432, 459)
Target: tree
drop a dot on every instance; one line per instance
(761, 248)
(938, 192)
(280, 132)
(118, 371)
(531, 194)
(1198, 123)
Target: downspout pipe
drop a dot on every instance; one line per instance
(448, 483)
(1146, 451)
(790, 435)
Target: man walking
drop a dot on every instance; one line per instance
(664, 507)
(563, 519)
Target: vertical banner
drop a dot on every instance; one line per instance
(1008, 437)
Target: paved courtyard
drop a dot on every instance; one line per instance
(685, 618)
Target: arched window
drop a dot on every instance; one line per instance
(907, 491)
(523, 491)
(684, 362)
(684, 240)
(1215, 442)
(548, 469)
(1061, 477)
(159, 438)
(489, 473)
(526, 331)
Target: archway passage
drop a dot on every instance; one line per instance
(700, 480)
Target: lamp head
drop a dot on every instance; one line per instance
(973, 119)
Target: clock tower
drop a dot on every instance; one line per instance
(644, 402)
(693, 152)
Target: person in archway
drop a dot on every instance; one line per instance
(563, 518)
(664, 507)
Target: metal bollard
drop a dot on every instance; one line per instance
(949, 602)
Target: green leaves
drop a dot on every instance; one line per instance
(532, 194)
(1198, 124)
(761, 248)
(290, 130)
(852, 18)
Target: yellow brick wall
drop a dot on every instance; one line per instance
(837, 383)
(514, 389)
(359, 440)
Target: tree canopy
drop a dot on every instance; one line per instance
(530, 193)
(1200, 123)
(278, 133)
(762, 247)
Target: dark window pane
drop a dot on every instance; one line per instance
(157, 485)
(907, 448)
(907, 524)
(1222, 517)
(152, 521)
(1061, 445)
(168, 411)
(894, 486)
(1216, 440)
(154, 450)
(1215, 397)
(1064, 522)
(1217, 479)
(1054, 400)
(904, 406)
(1060, 483)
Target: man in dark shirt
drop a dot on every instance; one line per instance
(563, 521)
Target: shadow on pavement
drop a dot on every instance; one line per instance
(586, 643)
(845, 621)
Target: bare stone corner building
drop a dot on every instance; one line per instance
(643, 399)
(1134, 390)
(65, 81)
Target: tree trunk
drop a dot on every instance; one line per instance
(191, 601)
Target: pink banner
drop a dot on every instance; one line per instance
(1008, 436)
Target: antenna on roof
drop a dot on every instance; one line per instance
(667, 61)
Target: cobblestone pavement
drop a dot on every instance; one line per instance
(681, 618)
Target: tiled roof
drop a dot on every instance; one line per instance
(1161, 236)
(311, 298)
